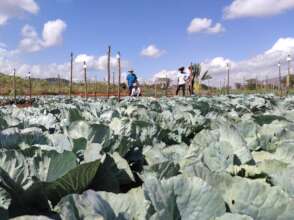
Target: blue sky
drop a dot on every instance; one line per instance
(131, 26)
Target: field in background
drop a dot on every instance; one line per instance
(54, 86)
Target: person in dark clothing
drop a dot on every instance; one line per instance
(191, 80)
(182, 78)
(132, 79)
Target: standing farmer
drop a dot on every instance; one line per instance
(192, 77)
(132, 79)
(182, 78)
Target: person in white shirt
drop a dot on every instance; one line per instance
(182, 79)
(136, 91)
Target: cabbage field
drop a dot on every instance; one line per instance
(206, 158)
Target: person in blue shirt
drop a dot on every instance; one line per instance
(132, 79)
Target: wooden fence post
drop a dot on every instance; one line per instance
(14, 85)
(95, 87)
(108, 70)
(166, 84)
(228, 80)
(119, 75)
(59, 84)
(85, 79)
(113, 78)
(71, 71)
(30, 87)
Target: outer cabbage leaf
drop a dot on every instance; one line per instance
(183, 198)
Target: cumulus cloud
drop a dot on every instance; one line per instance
(52, 36)
(205, 25)
(283, 45)
(2, 45)
(52, 33)
(30, 41)
(163, 74)
(257, 8)
(261, 66)
(98, 63)
(16, 8)
(81, 58)
(152, 51)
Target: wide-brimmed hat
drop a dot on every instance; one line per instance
(131, 70)
(181, 68)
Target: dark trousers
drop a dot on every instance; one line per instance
(191, 87)
(183, 87)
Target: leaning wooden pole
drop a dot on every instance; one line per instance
(14, 85)
(108, 71)
(119, 76)
(71, 71)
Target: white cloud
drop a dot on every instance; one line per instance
(98, 63)
(30, 41)
(261, 66)
(84, 57)
(283, 45)
(3, 45)
(257, 8)
(52, 33)
(16, 8)
(171, 74)
(205, 25)
(52, 36)
(152, 51)
(219, 63)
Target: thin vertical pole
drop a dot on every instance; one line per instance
(220, 87)
(289, 70)
(95, 87)
(71, 71)
(228, 82)
(113, 82)
(119, 75)
(30, 87)
(166, 84)
(108, 71)
(256, 83)
(266, 82)
(85, 79)
(59, 85)
(14, 85)
(155, 89)
(280, 79)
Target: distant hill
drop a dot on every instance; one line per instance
(55, 80)
(49, 80)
